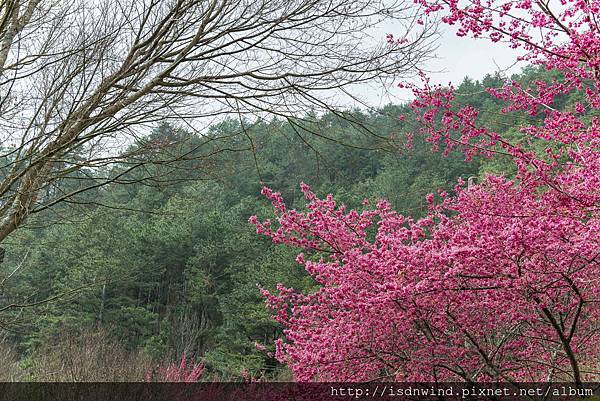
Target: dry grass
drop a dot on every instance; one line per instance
(91, 356)
(10, 369)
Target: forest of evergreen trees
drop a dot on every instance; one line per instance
(163, 263)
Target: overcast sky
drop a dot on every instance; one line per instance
(456, 59)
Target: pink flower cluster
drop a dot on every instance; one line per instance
(184, 371)
(500, 282)
(506, 289)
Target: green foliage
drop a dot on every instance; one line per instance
(168, 263)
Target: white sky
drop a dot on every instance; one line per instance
(456, 58)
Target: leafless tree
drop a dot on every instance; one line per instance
(82, 77)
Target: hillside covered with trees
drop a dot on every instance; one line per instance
(169, 265)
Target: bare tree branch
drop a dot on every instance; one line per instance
(80, 79)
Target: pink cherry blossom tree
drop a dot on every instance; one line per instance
(501, 281)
